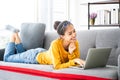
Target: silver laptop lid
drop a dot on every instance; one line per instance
(97, 57)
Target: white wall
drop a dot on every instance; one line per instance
(78, 14)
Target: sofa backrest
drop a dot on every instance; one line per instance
(109, 38)
(49, 37)
(93, 39)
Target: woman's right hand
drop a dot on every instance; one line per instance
(79, 61)
(71, 47)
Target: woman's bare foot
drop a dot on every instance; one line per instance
(12, 38)
(17, 38)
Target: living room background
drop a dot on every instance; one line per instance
(15, 12)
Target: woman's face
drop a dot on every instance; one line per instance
(70, 34)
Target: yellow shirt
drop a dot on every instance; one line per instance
(58, 56)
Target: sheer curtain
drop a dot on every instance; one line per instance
(44, 12)
(15, 12)
(50, 11)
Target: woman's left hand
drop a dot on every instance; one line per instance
(79, 61)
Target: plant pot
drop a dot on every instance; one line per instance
(92, 21)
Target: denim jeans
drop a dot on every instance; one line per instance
(17, 53)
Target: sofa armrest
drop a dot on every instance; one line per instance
(1, 54)
(119, 66)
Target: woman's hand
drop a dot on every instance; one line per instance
(79, 61)
(71, 47)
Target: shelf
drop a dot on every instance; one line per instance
(103, 2)
(109, 25)
(106, 2)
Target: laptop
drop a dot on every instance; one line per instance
(97, 57)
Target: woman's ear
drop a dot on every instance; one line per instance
(62, 36)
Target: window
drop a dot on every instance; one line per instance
(60, 10)
(15, 12)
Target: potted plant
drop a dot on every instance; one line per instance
(92, 18)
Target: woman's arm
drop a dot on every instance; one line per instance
(76, 54)
(56, 58)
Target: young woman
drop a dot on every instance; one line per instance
(63, 52)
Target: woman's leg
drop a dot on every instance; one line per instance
(10, 48)
(22, 57)
(10, 51)
(19, 46)
(28, 56)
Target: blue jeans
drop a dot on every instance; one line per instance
(16, 53)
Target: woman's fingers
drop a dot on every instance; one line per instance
(79, 61)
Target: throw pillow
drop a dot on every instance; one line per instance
(32, 35)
